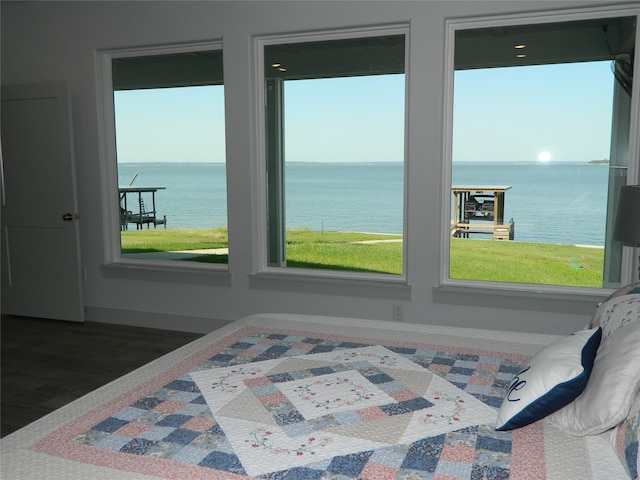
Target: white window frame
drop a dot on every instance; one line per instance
(115, 265)
(449, 288)
(295, 278)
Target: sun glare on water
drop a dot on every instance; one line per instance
(544, 156)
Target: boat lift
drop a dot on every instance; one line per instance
(480, 210)
(141, 214)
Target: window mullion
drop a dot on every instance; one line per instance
(276, 226)
(618, 166)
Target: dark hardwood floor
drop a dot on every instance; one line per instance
(47, 363)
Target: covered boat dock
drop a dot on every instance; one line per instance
(480, 210)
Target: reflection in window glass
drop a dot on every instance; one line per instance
(335, 154)
(539, 152)
(169, 119)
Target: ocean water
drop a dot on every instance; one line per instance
(195, 194)
(555, 203)
(559, 203)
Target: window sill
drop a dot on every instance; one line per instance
(352, 287)
(583, 302)
(167, 271)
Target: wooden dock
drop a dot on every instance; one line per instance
(480, 210)
(141, 214)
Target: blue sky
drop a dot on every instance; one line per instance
(501, 114)
(516, 113)
(357, 119)
(170, 125)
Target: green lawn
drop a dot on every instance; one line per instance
(524, 262)
(167, 240)
(502, 261)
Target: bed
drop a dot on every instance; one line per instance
(280, 396)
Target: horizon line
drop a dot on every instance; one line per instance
(369, 162)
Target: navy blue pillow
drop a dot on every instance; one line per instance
(551, 380)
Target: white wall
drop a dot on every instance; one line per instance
(54, 41)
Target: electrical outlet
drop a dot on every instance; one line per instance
(398, 312)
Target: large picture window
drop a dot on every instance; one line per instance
(541, 118)
(169, 129)
(335, 154)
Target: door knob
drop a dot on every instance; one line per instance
(67, 217)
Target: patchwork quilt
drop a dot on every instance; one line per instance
(302, 397)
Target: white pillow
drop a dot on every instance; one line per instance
(612, 387)
(552, 379)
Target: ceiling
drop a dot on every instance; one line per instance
(561, 42)
(585, 40)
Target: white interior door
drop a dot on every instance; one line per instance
(41, 272)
